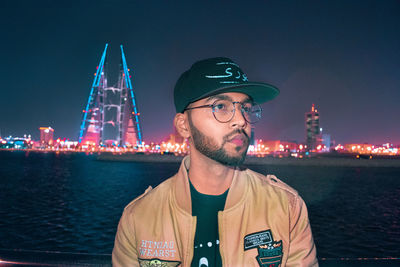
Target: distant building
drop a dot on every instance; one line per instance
(174, 138)
(252, 137)
(326, 141)
(15, 142)
(175, 143)
(46, 136)
(313, 132)
(274, 147)
(280, 146)
(359, 148)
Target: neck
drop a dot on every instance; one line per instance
(209, 176)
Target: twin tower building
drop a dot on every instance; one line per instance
(111, 117)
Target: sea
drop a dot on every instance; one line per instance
(72, 202)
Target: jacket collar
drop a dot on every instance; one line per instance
(236, 194)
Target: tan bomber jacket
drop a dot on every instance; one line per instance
(264, 223)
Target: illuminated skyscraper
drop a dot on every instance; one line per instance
(111, 116)
(46, 136)
(313, 132)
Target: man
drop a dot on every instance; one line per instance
(212, 212)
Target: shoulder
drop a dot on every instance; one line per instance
(271, 185)
(271, 181)
(151, 196)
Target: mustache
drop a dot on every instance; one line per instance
(235, 132)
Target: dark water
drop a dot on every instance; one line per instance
(72, 203)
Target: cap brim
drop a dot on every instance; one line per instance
(259, 92)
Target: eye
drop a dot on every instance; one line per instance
(247, 108)
(220, 106)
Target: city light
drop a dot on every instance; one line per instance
(91, 140)
(176, 145)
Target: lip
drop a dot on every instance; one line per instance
(238, 140)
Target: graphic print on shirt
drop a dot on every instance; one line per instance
(209, 251)
(270, 252)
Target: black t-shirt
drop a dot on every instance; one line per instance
(206, 240)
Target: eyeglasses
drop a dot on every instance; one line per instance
(224, 110)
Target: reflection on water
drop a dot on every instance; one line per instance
(72, 203)
(354, 212)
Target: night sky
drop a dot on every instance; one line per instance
(344, 56)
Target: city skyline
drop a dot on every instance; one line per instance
(174, 134)
(342, 56)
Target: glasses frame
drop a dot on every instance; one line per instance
(213, 105)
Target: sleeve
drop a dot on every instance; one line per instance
(125, 252)
(302, 251)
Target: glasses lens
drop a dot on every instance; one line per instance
(252, 112)
(223, 110)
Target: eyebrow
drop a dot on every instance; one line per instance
(248, 99)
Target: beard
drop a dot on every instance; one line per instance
(209, 148)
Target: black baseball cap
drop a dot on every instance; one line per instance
(215, 76)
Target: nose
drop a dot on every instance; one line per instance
(238, 120)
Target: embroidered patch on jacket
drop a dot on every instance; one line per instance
(157, 249)
(158, 263)
(270, 252)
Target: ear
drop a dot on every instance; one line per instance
(181, 125)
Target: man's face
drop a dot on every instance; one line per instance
(227, 142)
